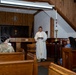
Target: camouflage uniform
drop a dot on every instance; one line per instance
(6, 48)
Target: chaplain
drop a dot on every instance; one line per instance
(40, 38)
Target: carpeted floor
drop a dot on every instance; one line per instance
(42, 70)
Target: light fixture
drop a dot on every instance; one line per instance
(27, 4)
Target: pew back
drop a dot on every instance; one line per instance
(17, 68)
(58, 70)
(31, 48)
(30, 56)
(12, 56)
(14, 64)
(69, 56)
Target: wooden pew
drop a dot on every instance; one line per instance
(31, 56)
(12, 56)
(17, 68)
(69, 58)
(59, 70)
(20, 50)
(31, 48)
(22, 67)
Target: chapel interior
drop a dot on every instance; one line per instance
(21, 22)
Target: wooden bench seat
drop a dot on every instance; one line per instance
(12, 56)
(59, 70)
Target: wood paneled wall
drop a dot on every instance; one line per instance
(19, 19)
(68, 8)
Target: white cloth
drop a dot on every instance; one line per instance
(41, 45)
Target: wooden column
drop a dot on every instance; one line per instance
(51, 27)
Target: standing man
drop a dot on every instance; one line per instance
(40, 39)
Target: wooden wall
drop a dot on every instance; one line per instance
(18, 19)
(68, 8)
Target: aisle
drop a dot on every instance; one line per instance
(42, 70)
(43, 67)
